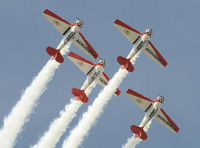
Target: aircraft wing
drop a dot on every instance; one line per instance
(130, 33)
(103, 81)
(61, 25)
(83, 44)
(143, 102)
(85, 65)
(165, 120)
(153, 53)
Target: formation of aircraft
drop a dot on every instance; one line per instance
(152, 110)
(141, 44)
(70, 34)
(94, 72)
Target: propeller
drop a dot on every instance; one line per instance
(103, 60)
(79, 19)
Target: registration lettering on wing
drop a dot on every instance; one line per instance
(166, 122)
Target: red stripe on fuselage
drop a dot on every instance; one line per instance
(76, 25)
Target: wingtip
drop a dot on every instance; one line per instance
(128, 91)
(117, 20)
(46, 11)
(165, 64)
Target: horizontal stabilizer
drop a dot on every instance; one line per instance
(55, 54)
(80, 94)
(125, 63)
(139, 132)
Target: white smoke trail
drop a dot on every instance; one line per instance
(59, 125)
(14, 122)
(94, 111)
(132, 142)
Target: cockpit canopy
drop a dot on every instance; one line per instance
(79, 22)
(161, 99)
(102, 62)
(149, 32)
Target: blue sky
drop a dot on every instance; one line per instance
(25, 33)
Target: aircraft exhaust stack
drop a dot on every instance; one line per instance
(125, 63)
(55, 54)
(80, 95)
(139, 132)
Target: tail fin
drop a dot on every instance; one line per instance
(55, 54)
(125, 63)
(80, 95)
(139, 132)
(117, 92)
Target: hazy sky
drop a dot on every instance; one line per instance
(25, 33)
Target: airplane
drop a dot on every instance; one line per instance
(141, 43)
(70, 34)
(94, 72)
(153, 111)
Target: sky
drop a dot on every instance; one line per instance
(25, 34)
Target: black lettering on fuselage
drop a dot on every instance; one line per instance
(139, 46)
(94, 77)
(70, 36)
(152, 113)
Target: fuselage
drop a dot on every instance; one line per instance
(93, 75)
(69, 35)
(150, 112)
(139, 44)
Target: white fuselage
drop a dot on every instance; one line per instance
(69, 36)
(139, 46)
(92, 76)
(150, 113)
